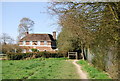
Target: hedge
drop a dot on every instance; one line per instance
(19, 56)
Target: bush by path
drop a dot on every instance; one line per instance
(93, 72)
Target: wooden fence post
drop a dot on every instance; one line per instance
(76, 56)
(68, 54)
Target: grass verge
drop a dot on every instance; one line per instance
(93, 73)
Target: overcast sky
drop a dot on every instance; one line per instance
(13, 12)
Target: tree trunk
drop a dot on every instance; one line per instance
(83, 52)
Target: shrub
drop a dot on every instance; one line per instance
(35, 50)
(10, 48)
(19, 56)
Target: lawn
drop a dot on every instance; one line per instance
(39, 68)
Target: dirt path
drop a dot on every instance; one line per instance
(82, 74)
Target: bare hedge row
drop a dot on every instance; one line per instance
(20, 56)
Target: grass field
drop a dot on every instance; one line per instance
(40, 68)
(93, 72)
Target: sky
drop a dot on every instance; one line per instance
(13, 12)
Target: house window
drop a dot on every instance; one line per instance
(20, 43)
(24, 42)
(41, 42)
(38, 42)
(27, 42)
(30, 42)
(45, 42)
(49, 42)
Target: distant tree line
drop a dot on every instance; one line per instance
(8, 45)
(93, 27)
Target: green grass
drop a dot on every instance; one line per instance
(40, 68)
(93, 72)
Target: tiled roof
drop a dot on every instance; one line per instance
(37, 37)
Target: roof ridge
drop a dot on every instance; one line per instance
(39, 33)
(38, 37)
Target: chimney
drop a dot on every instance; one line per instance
(26, 33)
(54, 35)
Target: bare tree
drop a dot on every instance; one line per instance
(6, 39)
(25, 25)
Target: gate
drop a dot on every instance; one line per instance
(73, 54)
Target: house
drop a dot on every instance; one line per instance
(42, 42)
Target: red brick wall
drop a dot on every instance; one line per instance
(36, 47)
(41, 48)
